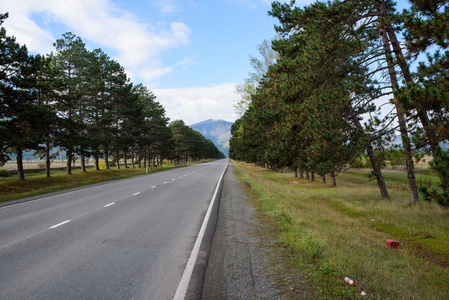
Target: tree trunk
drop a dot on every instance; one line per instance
(124, 158)
(83, 163)
(402, 125)
(312, 177)
(69, 154)
(97, 162)
(323, 178)
(307, 174)
(145, 156)
(422, 115)
(374, 163)
(106, 156)
(140, 157)
(296, 172)
(117, 158)
(69, 157)
(333, 179)
(47, 157)
(132, 157)
(301, 173)
(20, 164)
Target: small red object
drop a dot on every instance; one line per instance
(393, 244)
(349, 280)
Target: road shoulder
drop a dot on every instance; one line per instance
(238, 267)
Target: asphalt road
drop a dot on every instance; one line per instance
(128, 239)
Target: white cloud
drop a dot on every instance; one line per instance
(187, 61)
(200, 103)
(137, 44)
(166, 6)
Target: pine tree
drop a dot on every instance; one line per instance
(23, 122)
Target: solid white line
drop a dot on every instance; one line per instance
(107, 205)
(136, 193)
(185, 279)
(60, 224)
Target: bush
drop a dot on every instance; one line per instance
(41, 165)
(361, 161)
(4, 173)
(396, 157)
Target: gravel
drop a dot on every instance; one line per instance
(238, 268)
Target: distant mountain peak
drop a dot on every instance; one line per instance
(210, 121)
(218, 131)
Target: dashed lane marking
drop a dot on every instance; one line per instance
(60, 224)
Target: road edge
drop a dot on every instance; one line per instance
(190, 285)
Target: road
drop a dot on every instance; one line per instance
(127, 239)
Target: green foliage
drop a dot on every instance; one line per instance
(361, 161)
(440, 164)
(336, 62)
(24, 122)
(396, 157)
(190, 145)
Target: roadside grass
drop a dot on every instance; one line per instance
(332, 233)
(37, 183)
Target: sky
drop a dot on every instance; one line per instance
(190, 53)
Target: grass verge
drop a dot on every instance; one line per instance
(38, 184)
(326, 234)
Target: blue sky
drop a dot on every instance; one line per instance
(191, 53)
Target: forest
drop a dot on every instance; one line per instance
(349, 77)
(83, 103)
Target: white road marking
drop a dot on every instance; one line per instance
(165, 182)
(107, 205)
(60, 224)
(153, 187)
(136, 193)
(173, 179)
(187, 274)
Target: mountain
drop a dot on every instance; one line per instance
(398, 142)
(218, 131)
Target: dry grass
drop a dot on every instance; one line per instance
(332, 233)
(37, 183)
(36, 164)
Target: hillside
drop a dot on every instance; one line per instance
(218, 131)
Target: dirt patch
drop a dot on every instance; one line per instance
(429, 255)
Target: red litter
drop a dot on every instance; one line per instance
(393, 244)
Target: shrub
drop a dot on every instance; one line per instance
(396, 157)
(4, 173)
(361, 161)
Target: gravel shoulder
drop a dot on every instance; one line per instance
(238, 267)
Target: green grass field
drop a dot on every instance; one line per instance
(326, 234)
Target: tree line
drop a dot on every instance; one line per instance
(82, 102)
(342, 85)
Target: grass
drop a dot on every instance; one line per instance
(37, 183)
(327, 234)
